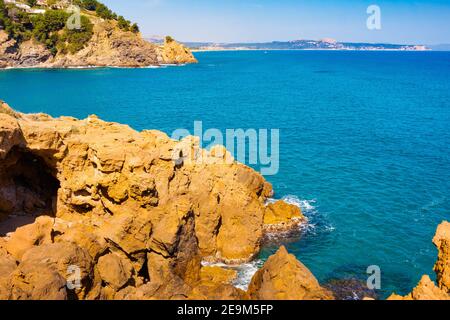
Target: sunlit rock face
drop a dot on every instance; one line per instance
(100, 193)
(283, 277)
(109, 46)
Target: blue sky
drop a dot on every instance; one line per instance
(409, 22)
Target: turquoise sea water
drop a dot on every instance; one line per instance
(364, 140)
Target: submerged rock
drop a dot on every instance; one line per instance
(350, 289)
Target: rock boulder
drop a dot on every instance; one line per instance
(283, 277)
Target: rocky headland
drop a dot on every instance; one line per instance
(45, 40)
(113, 204)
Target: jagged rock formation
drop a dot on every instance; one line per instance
(27, 54)
(442, 267)
(427, 289)
(111, 46)
(283, 277)
(174, 53)
(123, 210)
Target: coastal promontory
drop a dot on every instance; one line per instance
(110, 202)
(55, 34)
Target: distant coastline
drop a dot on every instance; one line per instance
(323, 44)
(251, 49)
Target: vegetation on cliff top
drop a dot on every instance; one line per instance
(50, 28)
(104, 12)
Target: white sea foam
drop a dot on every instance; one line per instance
(173, 64)
(314, 222)
(308, 209)
(305, 205)
(245, 271)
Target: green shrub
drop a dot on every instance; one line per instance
(100, 9)
(46, 24)
(134, 28)
(18, 30)
(90, 5)
(32, 3)
(50, 28)
(104, 12)
(76, 40)
(5, 20)
(47, 27)
(123, 23)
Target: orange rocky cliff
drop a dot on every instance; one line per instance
(111, 202)
(109, 46)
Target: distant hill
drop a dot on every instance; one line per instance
(324, 44)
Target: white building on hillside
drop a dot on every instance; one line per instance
(25, 7)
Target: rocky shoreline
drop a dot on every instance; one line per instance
(117, 49)
(112, 202)
(106, 213)
(100, 41)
